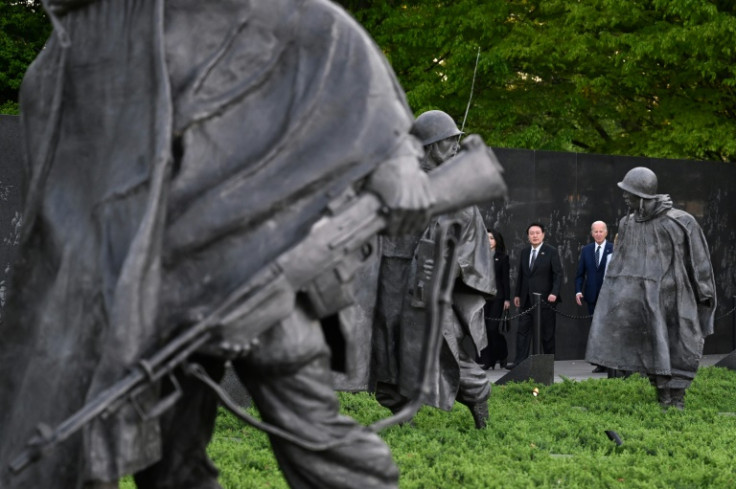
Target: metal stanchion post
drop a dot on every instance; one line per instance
(537, 366)
(537, 342)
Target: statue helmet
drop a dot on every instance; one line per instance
(433, 126)
(641, 182)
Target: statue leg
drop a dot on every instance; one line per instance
(474, 388)
(388, 396)
(671, 390)
(184, 461)
(678, 384)
(290, 382)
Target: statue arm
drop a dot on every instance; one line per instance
(698, 261)
(404, 189)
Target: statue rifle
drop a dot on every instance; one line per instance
(473, 176)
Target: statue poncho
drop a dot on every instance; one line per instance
(474, 284)
(658, 298)
(173, 149)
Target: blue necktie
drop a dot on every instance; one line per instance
(598, 256)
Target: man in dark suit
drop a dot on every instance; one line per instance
(540, 270)
(592, 269)
(592, 266)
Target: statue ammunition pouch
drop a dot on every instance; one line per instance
(424, 256)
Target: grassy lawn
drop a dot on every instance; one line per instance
(554, 440)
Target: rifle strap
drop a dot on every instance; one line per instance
(198, 372)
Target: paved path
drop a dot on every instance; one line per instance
(581, 370)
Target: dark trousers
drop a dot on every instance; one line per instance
(526, 330)
(497, 350)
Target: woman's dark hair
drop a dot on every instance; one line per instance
(500, 244)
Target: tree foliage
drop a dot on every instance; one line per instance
(23, 32)
(636, 77)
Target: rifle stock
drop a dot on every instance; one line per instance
(473, 176)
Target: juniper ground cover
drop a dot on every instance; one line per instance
(555, 439)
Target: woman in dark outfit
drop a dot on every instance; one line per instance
(497, 351)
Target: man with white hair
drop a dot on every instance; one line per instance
(592, 268)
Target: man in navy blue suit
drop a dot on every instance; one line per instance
(592, 266)
(592, 269)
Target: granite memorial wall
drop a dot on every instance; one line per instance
(564, 191)
(11, 161)
(568, 191)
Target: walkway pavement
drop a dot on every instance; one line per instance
(581, 370)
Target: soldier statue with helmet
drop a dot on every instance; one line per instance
(401, 314)
(657, 302)
(187, 206)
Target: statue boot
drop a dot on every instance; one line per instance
(664, 397)
(677, 398)
(479, 410)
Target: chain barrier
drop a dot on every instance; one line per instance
(568, 316)
(509, 318)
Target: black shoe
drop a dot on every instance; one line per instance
(509, 366)
(503, 364)
(598, 369)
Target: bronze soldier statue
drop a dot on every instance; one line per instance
(170, 177)
(657, 302)
(401, 316)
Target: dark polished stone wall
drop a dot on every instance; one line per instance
(568, 191)
(564, 191)
(11, 160)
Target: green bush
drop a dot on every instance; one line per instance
(556, 439)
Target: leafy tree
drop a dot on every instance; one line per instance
(637, 77)
(24, 29)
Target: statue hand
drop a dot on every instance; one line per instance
(404, 189)
(427, 269)
(230, 342)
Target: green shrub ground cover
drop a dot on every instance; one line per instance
(554, 440)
